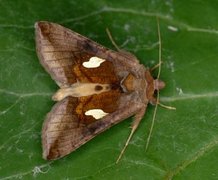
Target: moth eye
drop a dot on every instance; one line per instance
(98, 88)
(96, 113)
(93, 62)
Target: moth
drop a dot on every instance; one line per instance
(99, 88)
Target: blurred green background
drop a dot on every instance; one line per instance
(184, 144)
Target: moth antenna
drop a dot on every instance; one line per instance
(158, 96)
(112, 40)
(158, 76)
(156, 66)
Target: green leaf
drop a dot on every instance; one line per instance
(184, 143)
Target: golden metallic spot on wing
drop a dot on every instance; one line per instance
(96, 113)
(93, 62)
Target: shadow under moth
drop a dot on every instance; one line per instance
(99, 88)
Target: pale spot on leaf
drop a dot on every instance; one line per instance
(172, 28)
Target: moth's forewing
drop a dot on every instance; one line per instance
(62, 52)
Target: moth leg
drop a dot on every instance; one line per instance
(154, 101)
(137, 119)
(130, 56)
(167, 107)
(156, 66)
(112, 39)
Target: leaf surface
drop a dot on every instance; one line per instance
(184, 142)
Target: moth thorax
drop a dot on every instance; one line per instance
(131, 83)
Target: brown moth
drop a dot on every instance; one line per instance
(99, 87)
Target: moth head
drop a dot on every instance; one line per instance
(152, 86)
(158, 84)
